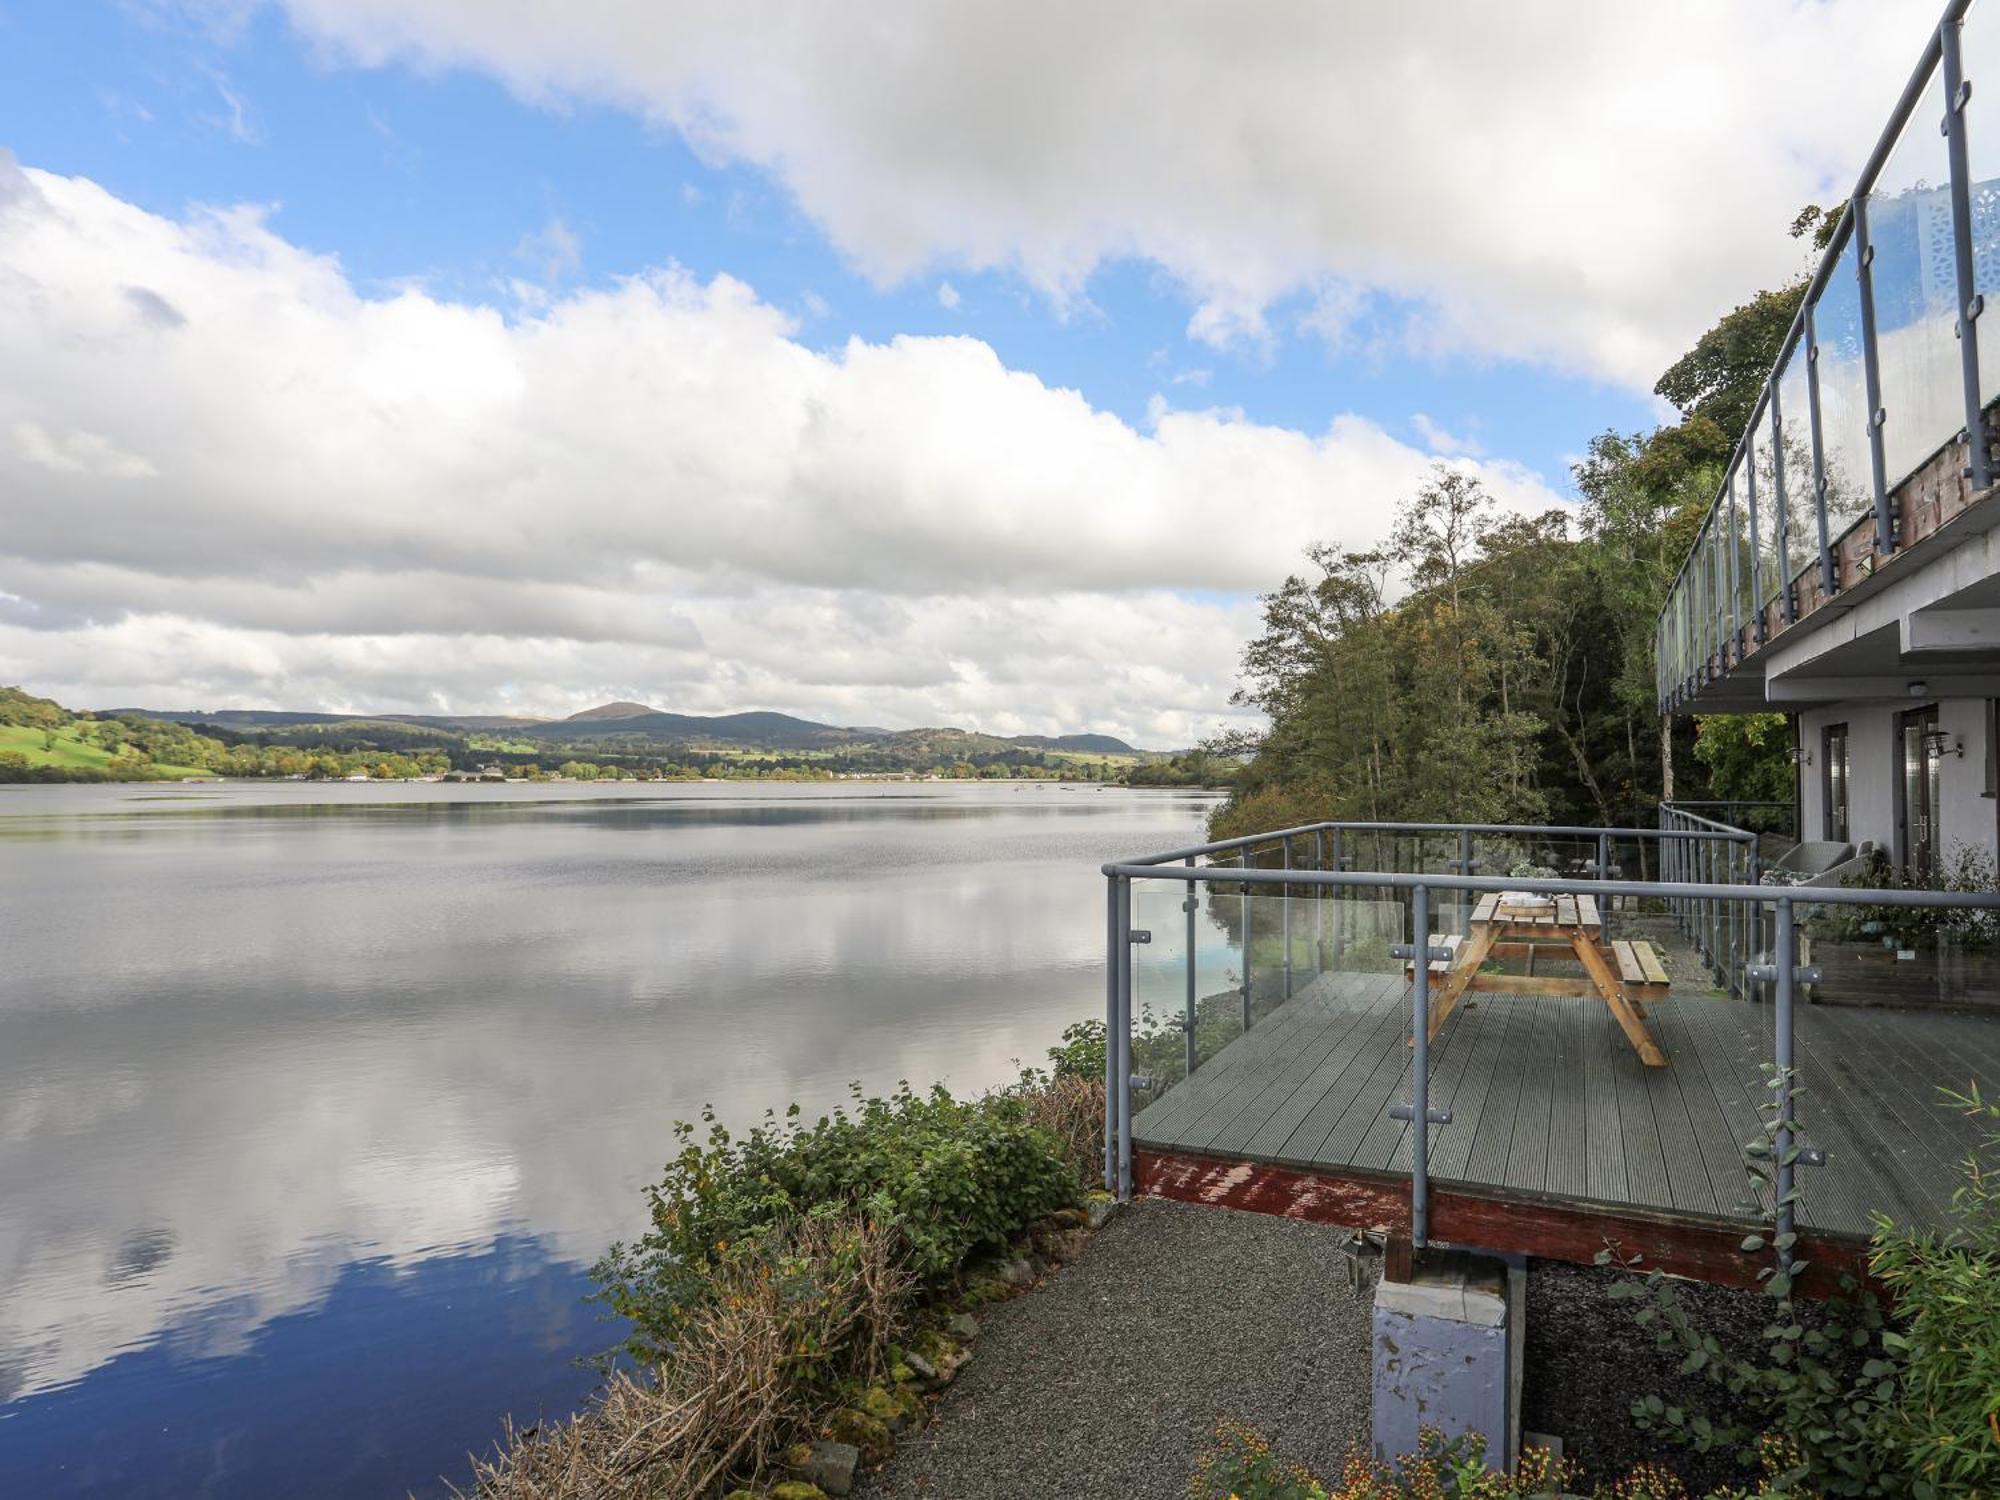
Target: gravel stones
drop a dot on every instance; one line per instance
(1109, 1379)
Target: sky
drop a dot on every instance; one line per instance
(901, 364)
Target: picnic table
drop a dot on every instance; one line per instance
(1506, 925)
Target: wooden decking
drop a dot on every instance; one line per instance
(1548, 1101)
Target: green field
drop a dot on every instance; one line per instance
(68, 750)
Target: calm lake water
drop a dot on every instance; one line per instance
(316, 1101)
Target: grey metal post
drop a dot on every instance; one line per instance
(1787, 610)
(1319, 905)
(1124, 1039)
(1732, 565)
(1244, 860)
(1420, 1067)
(1188, 904)
(1871, 370)
(1787, 1119)
(1339, 863)
(1285, 924)
(1756, 562)
(1737, 911)
(1969, 301)
(1111, 1034)
(1461, 905)
(1828, 578)
(1604, 856)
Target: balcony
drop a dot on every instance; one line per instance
(1609, 1042)
(1856, 467)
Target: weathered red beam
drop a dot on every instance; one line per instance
(1553, 1229)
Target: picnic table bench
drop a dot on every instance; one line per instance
(1625, 975)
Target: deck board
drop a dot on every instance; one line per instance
(1287, 1115)
(1547, 1099)
(1246, 1108)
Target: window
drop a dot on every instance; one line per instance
(1833, 757)
(1917, 793)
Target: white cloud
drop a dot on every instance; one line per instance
(1441, 442)
(553, 252)
(947, 296)
(1579, 182)
(254, 485)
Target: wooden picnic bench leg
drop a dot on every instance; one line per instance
(1471, 955)
(1613, 993)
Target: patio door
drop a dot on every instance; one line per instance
(1917, 794)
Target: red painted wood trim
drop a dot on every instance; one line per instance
(1551, 1229)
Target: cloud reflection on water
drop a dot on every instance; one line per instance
(244, 1045)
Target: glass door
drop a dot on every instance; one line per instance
(1833, 758)
(1917, 794)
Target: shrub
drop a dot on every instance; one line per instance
(794, 1310)
(1945, 1427)
(944, 1177)
(1965, 869)
(1845, 1401)
(1241, 1466)
(1082, 1053)
(1070, 1110)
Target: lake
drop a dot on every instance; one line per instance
(316, 1101)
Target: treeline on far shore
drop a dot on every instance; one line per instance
(42, 741)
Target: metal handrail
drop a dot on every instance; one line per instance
(1693, 657)
(1783, 972)
(1508, 830)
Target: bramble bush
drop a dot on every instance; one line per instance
(945, 1177)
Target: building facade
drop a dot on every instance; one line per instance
(1848, 572)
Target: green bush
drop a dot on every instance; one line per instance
(947, 1177)
(1240, 1465)
(1082, 1053)
(1964, 869)
(1862, 1402)
(1945, 1428)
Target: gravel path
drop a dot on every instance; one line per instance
(1109, 1379)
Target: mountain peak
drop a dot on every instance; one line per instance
(623, 709)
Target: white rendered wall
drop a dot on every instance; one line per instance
(1874, 763)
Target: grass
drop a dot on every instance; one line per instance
(68, 750)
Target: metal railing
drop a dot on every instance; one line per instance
(1881, 370)
(1692, 847)
(1749, 814)
(1730, 856)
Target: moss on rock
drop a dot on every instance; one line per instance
(870, 1434)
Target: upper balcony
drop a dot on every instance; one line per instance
(1857, 462)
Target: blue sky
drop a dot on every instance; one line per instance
(396, 354)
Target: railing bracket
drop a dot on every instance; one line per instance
(1805, 1156)
(1142, 934)
(1409, 951)
(1408, 1112)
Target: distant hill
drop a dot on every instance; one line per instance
(1088, 744)
(624, 708)
(761, 731)
(634, 725)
